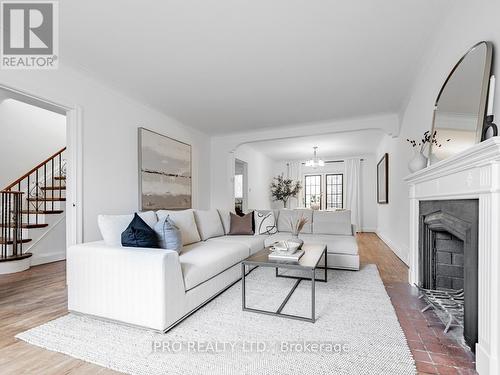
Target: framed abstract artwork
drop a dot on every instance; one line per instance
(164, 172)
(383, 180)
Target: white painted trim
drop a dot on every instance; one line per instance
(48, 258)
(14, 266)
(74, 182)
(37, 100)
(394, 248)
(50, 228)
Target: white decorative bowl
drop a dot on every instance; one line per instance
(286, 247)
(292, 246)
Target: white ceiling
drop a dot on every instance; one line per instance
(330, 146)
(231, 65)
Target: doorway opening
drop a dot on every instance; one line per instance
(39, 141)
(240, 187)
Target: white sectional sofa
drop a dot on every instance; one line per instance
(157, 288)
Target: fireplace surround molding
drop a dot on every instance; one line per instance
(472, 174)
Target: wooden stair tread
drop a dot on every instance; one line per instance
(42, 212)
(10, 242)
(53, 188)
(25, 225)
(48, 199)
(59, 177)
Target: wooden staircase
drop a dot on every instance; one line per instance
(26, 201)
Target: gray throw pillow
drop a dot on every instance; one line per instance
(241, 225)
(169, 235)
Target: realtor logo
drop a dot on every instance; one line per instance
(29, 35)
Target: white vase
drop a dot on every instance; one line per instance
(418, 162)
(295, 238)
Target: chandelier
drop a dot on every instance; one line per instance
(315, 161)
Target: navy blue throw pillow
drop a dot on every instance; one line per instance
(139, 234)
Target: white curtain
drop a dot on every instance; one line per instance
(294, 171)
(353, 196)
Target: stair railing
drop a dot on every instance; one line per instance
(11, 231)
(42, 186)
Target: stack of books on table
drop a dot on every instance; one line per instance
(279, 255)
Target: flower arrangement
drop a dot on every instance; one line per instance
(282, 189)
(426, 140)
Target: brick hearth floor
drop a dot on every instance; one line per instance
(434, 351)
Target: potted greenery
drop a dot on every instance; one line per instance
(282, 189)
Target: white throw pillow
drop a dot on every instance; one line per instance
(332, 222)
(265, 222)
(112, 226)
(209, 224)
(184, 220)
(226, 220)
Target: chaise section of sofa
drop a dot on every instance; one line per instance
(332, 228)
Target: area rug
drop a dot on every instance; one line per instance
(356, 332)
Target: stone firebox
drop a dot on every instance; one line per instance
(448, 253)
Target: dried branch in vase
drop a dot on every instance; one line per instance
(426, 140)
(297, 224)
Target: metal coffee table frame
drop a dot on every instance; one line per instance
(287, 265)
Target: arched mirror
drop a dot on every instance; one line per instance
(460, 107)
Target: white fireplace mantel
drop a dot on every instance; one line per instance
(472, 174)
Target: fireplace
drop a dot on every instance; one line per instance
(474, 175)
(448, 252)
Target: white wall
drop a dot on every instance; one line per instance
(393, 218)
(368, 199)
(49, 244)
(260, 173)
(110, 122)
(467, 24)
(29, 136)
(368, 186)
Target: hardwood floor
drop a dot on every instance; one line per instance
(30, 298)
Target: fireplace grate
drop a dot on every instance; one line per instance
(451, 302)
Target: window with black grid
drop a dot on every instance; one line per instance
(312, 189)
(334, 191)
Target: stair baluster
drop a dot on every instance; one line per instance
(10, 222)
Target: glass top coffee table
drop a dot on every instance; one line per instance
(309, 262)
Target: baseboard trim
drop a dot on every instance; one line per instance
(369, 230)
(483, 361)
(395, 249)
(47, 258)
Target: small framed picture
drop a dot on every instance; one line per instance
(383, 180)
